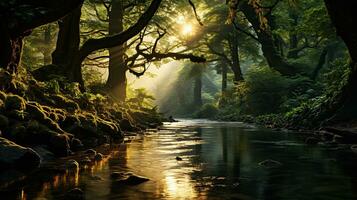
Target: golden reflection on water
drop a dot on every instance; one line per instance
(170, 178)
(181, 188)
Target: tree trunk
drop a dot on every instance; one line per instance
(116, 82)
(233, 45)
(15, 27)
(10, 50)
(197, 91)
(292, 35)
(112, 41)
(67, 47)
(270, 52)
(343, 15)
(224, 77)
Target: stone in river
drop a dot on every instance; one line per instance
(75, 194)
(98, 157)
(270, 163)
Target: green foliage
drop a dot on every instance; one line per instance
(262, 91)
(142, 98)
(209, 111)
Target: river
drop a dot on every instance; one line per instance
(201, 159)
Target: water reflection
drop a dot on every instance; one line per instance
(219, 161)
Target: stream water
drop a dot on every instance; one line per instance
(219, 161)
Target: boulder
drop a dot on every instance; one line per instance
(59, 145)
(76, 144)
(98, 157)
(128, 178)
(126, 125)
(44, 153)
(16, 156)
(15, 102)
(72, 165)
(75, 194)
(270, 163)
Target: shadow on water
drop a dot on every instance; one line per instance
(217, 161)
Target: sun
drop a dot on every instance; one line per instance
(187, 29)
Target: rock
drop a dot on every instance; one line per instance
(98, 157)
(132, 180)
(90, 152)
(108, 128)
(15, 102)
(3, 96)
(126, 125)
(16, 156)
(311, 140)
(96, 178)
(116, 175)
(64, 102)
(44, 153)
(86, 161)
(339, 139)
(59, 145)
(171, 119)
(178, 158)
(270, 163)
(72, 165)
(327, 136)
(36, 112)
(75, 194)
(76, 144)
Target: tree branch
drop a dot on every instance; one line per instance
(118, 39)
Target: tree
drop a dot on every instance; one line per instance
(22, 17)
(342, 15)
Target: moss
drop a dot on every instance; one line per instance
(51, 125)
(63, 102)
(36, 111)
(15, 102)
(2, 104)
(107, 127)
(3, 95)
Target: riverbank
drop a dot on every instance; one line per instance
(44, 121)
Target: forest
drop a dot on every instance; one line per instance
(98, 86)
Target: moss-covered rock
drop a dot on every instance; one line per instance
(64, 102)
(36, 112)
(59, 145)
(126, 125)
(3, 95)
(15, 102)
(108, 128)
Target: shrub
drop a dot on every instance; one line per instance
(207, 111)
